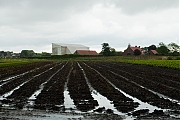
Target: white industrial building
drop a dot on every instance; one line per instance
(63, 49)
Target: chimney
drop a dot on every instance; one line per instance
(135, 46)
(129, 45)
(139, 46)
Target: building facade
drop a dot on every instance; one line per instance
(153, 52)
(63, 49)
(130, 50)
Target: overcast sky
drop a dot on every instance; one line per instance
(35, 24)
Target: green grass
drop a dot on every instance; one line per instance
(15, 62)
(158, 61)
(144, 60)
(174, 64)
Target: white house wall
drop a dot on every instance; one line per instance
(63, 50)
(56, 49)
(68, 51)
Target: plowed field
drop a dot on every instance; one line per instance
(93, 87)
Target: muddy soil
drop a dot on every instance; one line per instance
(36, 91)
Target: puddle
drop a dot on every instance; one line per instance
(102, 101)
(142, 105)
(68, 102)
(61, 117)
(39, 115)
(165, 97)
(4, 96)
(33, 96)
(160, 95)
(10, 92)
(5, 81)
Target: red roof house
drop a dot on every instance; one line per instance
(85, 52)
(130, 50)
(153, 52)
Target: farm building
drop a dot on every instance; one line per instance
(86, 52)
(6, 54)
(63, 49)
(153, 52)
(130, 50)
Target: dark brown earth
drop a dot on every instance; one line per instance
(139, 81)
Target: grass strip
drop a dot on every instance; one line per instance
(174, 64)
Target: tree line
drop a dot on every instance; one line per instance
(171, 49)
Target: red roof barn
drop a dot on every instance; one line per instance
(86, 52)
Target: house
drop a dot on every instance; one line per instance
(64, 49)
(1, 54)
(153, 52)
(85, 52)
(16, 55)
(6, 54)
(9, 54)
(130, 50)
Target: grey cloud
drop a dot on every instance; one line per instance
(34, 11)
(137, 6)
(29, 11)
(26, 23)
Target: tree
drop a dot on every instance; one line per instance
(162, 49)
(112, 51)
(174, 48)
(152, 47)
(137, 52)
(45, 54)
(106, 49)
(27, 53)
(145, 50)
(175, 53)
